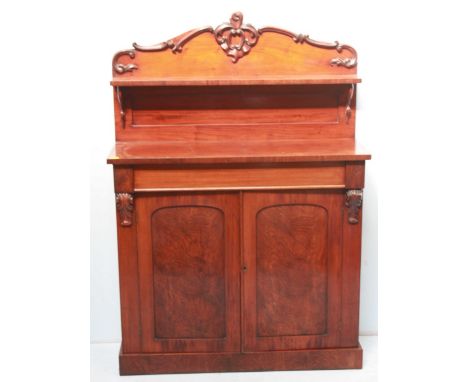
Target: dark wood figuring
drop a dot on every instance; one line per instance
(188, 256)
(292, 252)
(239, 199)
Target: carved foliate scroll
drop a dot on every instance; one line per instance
(124, 202)
(353, 203)
(123, 68)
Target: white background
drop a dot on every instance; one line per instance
(56, 127)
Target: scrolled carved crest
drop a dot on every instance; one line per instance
(236, 38)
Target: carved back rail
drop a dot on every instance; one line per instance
(222, 51)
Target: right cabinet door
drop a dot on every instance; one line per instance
(292, 269)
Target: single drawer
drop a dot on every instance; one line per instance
(240, 178)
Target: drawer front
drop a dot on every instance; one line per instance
(246, 178)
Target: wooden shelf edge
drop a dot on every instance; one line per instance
(236, 153)
(230, 81)
(240, 160)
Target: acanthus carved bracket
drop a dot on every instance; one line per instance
(118, 92)
(348, 103)
(236, 40)
(124, 202)
(353, 203)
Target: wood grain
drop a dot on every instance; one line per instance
(123, 179)
(273, 55)
(355, 174)
(311, 268)
(189, 272)
(130, 311)
(237, 151)
(229, 112)
(291, 270)
(351, 281)
(155, 179)
(234, 105)
(220, 80)
(235, 148)
(318, 359)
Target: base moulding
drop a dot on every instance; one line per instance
(317, 359)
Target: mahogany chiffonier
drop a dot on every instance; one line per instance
(238, 190)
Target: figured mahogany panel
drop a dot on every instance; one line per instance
(291, 265)
(292, 261)
(189, 272)
(188, 258)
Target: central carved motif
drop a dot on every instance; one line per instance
(235, 38)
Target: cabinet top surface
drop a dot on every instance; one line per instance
(125, 153)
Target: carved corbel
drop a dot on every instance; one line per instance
(348, 103)
(121, 107)
(124, 202)
(353, 203)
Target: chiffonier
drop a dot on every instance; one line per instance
(238, 189)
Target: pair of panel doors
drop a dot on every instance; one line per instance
(239, 271)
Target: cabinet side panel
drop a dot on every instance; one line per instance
(188, 257)
(129, 291)
(351, 281)
(291, 270)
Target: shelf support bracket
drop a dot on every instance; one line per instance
(348, 103)
(121, 109)
(124, 203)
(353, 203)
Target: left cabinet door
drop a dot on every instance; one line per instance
(188, 260)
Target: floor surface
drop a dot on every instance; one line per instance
(105, 368)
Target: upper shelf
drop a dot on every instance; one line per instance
(252, 80)
(236, 54)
